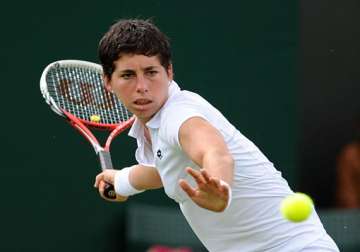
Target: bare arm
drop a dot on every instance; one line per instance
(140, 177)
(145, 177)
(347, 165)
(205, 145)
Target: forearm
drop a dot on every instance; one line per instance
(144, 177)
(128, 181)
(205, 146)
(135, 179)
(219, 164)
(346, 190)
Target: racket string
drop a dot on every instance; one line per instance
(81, 92)
(105, 108)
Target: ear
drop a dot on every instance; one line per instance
(107, 83)
(170, 72)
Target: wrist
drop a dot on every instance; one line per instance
(122, 183)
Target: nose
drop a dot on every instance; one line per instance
(142, 85)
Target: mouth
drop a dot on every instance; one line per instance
(142, 102)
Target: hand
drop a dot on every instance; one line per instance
(107, 177)
(209, 193)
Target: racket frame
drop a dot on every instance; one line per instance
(81, 125)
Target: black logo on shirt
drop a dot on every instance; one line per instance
(159, 154)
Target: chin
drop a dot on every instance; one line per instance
(144, 116)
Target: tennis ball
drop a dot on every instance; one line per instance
(296, 207)
(95, 118)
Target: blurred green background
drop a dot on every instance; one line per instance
(241, 55)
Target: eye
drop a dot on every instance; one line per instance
(151, 72)
(127, 76)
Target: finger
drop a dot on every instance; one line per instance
(225, 188)
(205, 175)
(187, 188)
(98, 178)
(109, 176)
(101, 187)
(196, 175)
(215, 182)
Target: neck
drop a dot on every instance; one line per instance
(147, 134)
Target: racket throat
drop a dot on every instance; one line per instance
(105, 159)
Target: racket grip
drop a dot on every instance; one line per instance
(109, 191)
(105, 162)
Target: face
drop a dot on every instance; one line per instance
(141, 83)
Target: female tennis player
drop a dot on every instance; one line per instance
(228, 191)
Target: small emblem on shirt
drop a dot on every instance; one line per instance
(159, 154)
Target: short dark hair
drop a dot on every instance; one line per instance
(133, 36)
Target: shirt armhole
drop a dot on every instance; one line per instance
(174, 122)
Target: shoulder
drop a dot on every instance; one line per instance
(185, 101)
(183, 106)
(179, 109)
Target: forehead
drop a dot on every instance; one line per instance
(133, 61)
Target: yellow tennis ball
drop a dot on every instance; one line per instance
(95, 118)
(296, 207)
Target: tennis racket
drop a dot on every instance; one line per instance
(75, 90)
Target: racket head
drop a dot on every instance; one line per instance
(76, 88)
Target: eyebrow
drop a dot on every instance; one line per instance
(150, 68)
(144, 69)
(127, 71)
